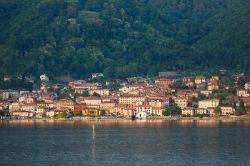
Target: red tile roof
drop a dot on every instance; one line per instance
(246, 100)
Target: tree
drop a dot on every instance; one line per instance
(77, 113)
(114, 86)
(103, 113)
(61, 115)
(217, 110)
(172, 110)
(96, 94)
(178, 85)
(4, 112)
(242, 81)
(122, 38)
(241, 110)
(85, 93)
(201, 96)
(192, 102)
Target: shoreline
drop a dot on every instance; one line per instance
(100, 119)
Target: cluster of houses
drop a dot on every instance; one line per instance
(142, 98)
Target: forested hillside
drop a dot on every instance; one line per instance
(123, 37)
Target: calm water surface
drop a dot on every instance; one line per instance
(129, 143)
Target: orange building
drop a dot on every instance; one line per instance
(64, 105)
(79, 107)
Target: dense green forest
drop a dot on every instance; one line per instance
(123, 37)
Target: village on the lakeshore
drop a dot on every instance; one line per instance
(168, 94)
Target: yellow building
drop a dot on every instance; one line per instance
(181, 102)
(91, 112)
(14, 107)
(122, 110)
(131, 100)
(107, 105)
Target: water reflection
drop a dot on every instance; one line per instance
(125, 123)
(93, 143)
(125, 142)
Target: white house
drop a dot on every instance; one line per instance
(95, 75)
(200, 111)
(141, 115)
(247, 86)
(44, 77)
(22, 114)
(200, 80)
(50, 114)
(242, 93)
(227, 110)
(210, 110)
(29, 107)
(208, 103)
(129, 88)
(144, 108)
(187, 111)
(101, 92)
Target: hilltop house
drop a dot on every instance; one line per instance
(247, 86)
(242, 93)
(96, 75)
(87, 86)
(164, 82)
(166, 74)
(188, 81)
(135, 89)
(4, 94)
(200, 80)
(212, 86)
(215, 78)
(44, 78)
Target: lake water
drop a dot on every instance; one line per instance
(128, 143)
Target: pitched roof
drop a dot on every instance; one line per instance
(246, 100)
